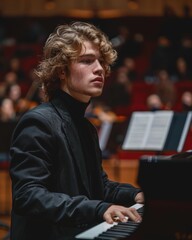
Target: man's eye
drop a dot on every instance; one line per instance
(87, 61)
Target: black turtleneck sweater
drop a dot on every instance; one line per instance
(77, 112)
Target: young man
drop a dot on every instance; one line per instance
(58, 182)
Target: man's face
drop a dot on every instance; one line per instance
(86, 78)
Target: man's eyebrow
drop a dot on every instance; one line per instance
(87, 55)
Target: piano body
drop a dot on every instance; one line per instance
(167, 185)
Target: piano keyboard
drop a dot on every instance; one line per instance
(117, 230)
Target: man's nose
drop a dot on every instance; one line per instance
(98, 67)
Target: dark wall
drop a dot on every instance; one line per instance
(24, 28)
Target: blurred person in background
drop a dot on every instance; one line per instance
(21, 104)
(8, 79)
(7, 110)
(184, 50)
(182, 71)
(154, 103)
(119, 92)
(165, 89)
(163, 56)
(186, 100)
(127, 44)
(14, 65)
(129, 64)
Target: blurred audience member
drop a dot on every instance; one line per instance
(186, 100)
(121, 38)
(7, 111)
(165, 89)
(13, 92)
(127, 45)
(154, 103)
(119, 92)
(163, 56)
(15, 66)
(182, 72)
(21, 104)
(129, 64)
(8, 79)
(119, 42)
(185, 50)
(139, 40)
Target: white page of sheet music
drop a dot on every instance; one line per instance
(104, 134)
(137, 131)
(185, 131)
(147, 130)
(159, 130)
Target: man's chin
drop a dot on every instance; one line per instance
(96, 94)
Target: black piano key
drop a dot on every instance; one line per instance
(127, 229)
(119, 230)
(140, 210)
(105, 238)
(110, 237)
(114, 234)
(128, 223)
(127, 226)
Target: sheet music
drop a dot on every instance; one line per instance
(159, 130)
(104, 134)
(148, 130)
(185, 130)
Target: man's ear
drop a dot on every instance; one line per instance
(62, 75)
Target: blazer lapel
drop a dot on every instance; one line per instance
(73, 141)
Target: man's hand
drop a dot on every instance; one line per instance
(139, 198)
(121, 213)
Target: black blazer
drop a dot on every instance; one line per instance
(51, 196)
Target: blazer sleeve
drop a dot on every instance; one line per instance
(115, 192)
(119, 193)
(32, 155)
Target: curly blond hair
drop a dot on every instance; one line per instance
(63, 46)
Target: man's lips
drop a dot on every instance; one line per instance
(98, 79)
